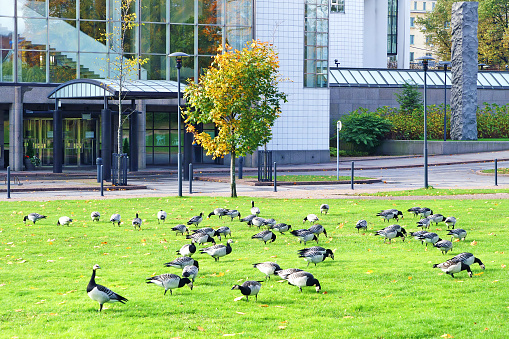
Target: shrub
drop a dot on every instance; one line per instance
(410, 97)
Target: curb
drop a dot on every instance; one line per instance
(75, 188)
(288, 183)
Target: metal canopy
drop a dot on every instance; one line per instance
(109, 88)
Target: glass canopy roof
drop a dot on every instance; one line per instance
(344, 77)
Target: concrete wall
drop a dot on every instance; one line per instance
(416, 147)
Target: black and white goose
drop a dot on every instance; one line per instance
(200, 238)
(459, 233)
(116, 218)
(316, 256)
(220, 212)
(443, 245)
(257, 221)
(324, 208)
(196, 220)
(64, 221)
(429, 238)
(283, 274)
(314, 248)
(302, 279)
(453, 266)
(218, 251)
(182, 262)
(270, 222)
(450, 221)
(304, 235)
(390, 233)
(417, 235)
(397, 228)
(248, 219)
(187, 250)
(207, 230)
(137, 222)
(414, 210)
(268, 268)
(436, 218)
(233, 214)
(225, 230)
(282, 227)
(469, 259)
(312, 218)
(102, 294)
(317, 229)
(425, 212)
(248, 288)
(95, 216)
(180, 229)
(387, 215)
(190, 272)
(424, 222)
(161, 216)
(265, 236)
(169, 282)
(254, 210)
(33, 217)
(361, 224)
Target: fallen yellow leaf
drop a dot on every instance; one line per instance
(473, 243)
(240, 313)
(264, 305)
(446, 335)
(238, 298)
(200, 328)
(369, 271)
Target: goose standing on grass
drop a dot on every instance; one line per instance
(414, 210)
(302, 279)
(200, 238)
(430, 238)
(248, 219)
(64, 221)
(248, 288)
(182, 262)
(33, 217)
(317, 229)
(284, 274)
(196, 220)
(254, 210)
(137, 222)
(443, 245)
(116, 218)
(169, 282)
(387, 215)
(304, 235)
(187, 250)
(316, 256)
(265, 236)
(257, 221)
(222, 230)
(281, 228)
(324, 208)
(180, 229)
(233, 214)
(425, 212)
(453, 266)
(436, 218)
(390, 233)
(361, 224)
(450, 221)
(469, 259)
(218, 251)
(417, 235)
(269, 268)
(207, 230)
(190, 272)
(95, 216)
(312, 218)
(161, 216)
(459, 233)
(270, 222)
(424, 222)
(220, 212)
(100, 293)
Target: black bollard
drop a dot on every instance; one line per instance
(351, 180)
(190, 178)
(275, 177)
(102, 181)
(8, 182)
(241, 165)
(98, 162)
(496, 173)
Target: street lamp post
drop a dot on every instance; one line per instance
(445, 64)
(425, 60)
(338, 127)
(178, 56)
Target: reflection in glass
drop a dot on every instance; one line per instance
(149, 120)
(7, 66)
(151, 37)
(32, 8)
(94, 65)
(33, 34)
(182, 11)
(94, 38)
(238, 13)
(153, 10)
(161, 155)
(182, 40)
(115, 42)
(155, 67)
(161, 120)
(62, 9)
(186, 72)
(93, 9)
(62, 67)
(210, 39)
(238, 36)
(62, 36)
(33, 66)
(161, 137)
(210, 12)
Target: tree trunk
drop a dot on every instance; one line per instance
(232, 175)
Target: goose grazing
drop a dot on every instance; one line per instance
(161, 216)
(324, 208)
(304, 235)
(312, 218)
(317, 229)
(414, 210)
(248, 219)
(200, 238)
(187, 250)
(314, 248)
(64, 221)
(302, 279)
(115, 218)
(169, 282)
(137, 222)
(207, 230)
(233, 214)
(361, 224)
(397, 228)
(459, 233)
(102, 294)
(196, 220)
(222, 230)
(218, 251)
(282, 227)
(429, 238)
(33, 217)
(257, 221)
(391, 233)
(390, 214)
(270, 222)
(316, 256)
(453, 266)
(182, 262)
(443, 245)
(417, 235)
(425, 212)
(265, 236)
(283, 274)
(95, 216)
(269, 268)
(190, 272)
(254, 210)
(469, 259)
(450, 221)
(220, 212)
(436, 218)
(424, 223)
(180, 229)
(248, 288)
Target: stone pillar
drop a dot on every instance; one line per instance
(106, 142)
(464, 71)
(58, 140)
(141, 106)
(16, 131)
(133, 138)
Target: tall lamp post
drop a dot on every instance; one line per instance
(425, 61)
(445, 64)
(179, 56)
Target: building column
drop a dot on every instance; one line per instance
(16, 131)
(133, 138)
(58, 142)
(141, 107)
(106, 142)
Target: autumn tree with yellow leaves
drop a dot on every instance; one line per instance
(239, 94)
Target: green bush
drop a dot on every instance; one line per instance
(410, 97)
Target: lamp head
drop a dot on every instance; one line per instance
(178, 56)
(425, 61)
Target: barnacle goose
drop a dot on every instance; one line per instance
(248, 288)
(317, 229)
(459, 233)
(417, 235)
(100, 293)
(169, 282)
(270, 222)
(424, 222)
(391, 233)
(248, 219)
(180, 229)
(269, 268)
(388, 215)
(187, 250)
(312, 218)
(304, 235)
(220, 212)
(324, 208)
(314, 248)
(218, 251)
(222, 230)
(302, 279)
(453, 266)
(450, 221)
(33, 217)
(414, 210)
(469, 259)
(115, 218)
(361, 224)
(196, 220)
(430, 237)
(254, 210)
(161, 216)
(265, 236)
(257, 221)
(436, 218)
(283, 274)
(233, 214)
(182, 262)
(190, 272)
(316, 256)
(425, 212)
(443, 245)
(207, 230)
(137, 222)
(64, 221)
(281, 227)
(201, 238)
(95, 216)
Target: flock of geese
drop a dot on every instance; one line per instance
(294, 276)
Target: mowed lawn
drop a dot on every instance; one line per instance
(370, 290)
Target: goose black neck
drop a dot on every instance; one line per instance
(184, 281)
(92, 283)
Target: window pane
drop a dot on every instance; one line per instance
(94, 65)
(6, 33)
(239, 13)
(182, 11)
(153, 10)
(161, 120)
(155, 67)
(161, 137)
(203, 64)
(33, 34)
(149, 120)
(62, 36)
(7, 65)
(161, 155)
(129, 38)
(237, 37)
(149, 137)
(62, 67)
(93, 40)
(150, 157)
(93, 9)
(153, 37)
(62, 9)
(182, 39)
(210, 39)
(33, 66)
(31, 8)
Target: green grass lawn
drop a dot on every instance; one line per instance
(295, 178)
(499, 171)
(370, 290)
(433, 192)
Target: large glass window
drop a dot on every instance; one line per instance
(392, 27)
(337, 6)
(153, 10)
(62, 9)
(93, 9)
(33, 66)
(182, 11)
(316, 38)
